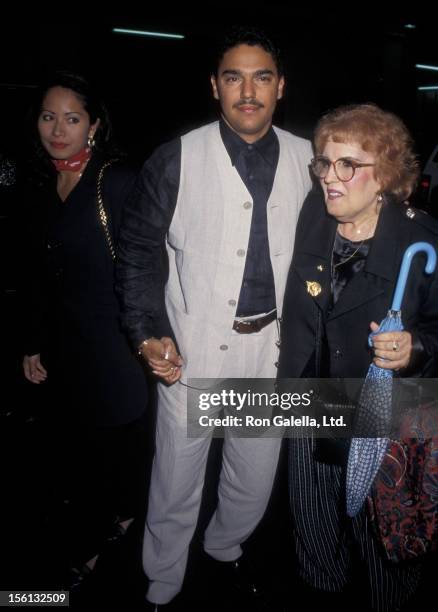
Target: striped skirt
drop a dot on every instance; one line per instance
(331, 547)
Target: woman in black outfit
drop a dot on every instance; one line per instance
(352, 233)
(73, 336)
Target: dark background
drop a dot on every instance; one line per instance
(157, 89)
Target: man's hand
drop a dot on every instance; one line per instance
(163, 358)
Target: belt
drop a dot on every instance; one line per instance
(254, 325)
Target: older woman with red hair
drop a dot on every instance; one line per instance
(353, 230)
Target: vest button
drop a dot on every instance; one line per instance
(247, 205)
(224, 347)
(232, 302)
(241, 253)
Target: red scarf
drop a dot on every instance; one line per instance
(73, 163)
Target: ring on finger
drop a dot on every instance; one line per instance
(395, 346)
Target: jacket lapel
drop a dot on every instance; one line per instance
(312, 262)
(312, 259)
(361, 289)
(381, 266)
(315, 276)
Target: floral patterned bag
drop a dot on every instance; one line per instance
(404, 499)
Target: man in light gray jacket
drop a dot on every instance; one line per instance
(225, 199)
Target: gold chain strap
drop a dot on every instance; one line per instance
(101, 209)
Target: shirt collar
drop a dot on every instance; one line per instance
(266, 146)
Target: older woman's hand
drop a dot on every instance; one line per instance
(392, 350)
(34, 370)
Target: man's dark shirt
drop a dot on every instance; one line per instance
(157, 186)
(256, 164)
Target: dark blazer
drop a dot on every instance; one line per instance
(366, 298)
(72, 307)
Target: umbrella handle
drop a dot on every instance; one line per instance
(412, 250)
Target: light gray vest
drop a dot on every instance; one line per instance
(208, 239)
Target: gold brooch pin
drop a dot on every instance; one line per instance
(313, 288)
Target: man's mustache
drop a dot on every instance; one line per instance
(249, 101)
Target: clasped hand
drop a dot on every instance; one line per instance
(163, 358)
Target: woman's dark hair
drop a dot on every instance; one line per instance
(92, 103)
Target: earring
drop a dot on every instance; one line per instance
(380, 198)
(90, 141)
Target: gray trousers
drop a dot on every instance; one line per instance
(178, 472)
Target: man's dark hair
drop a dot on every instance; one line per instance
(252, 36)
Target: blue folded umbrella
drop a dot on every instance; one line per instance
(374, 410)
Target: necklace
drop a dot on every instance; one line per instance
(350, 257)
